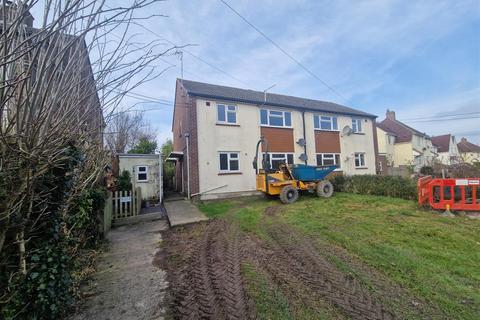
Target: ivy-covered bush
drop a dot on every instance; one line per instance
(392, 186)
(57, 237)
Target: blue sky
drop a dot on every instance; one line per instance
(419, 58)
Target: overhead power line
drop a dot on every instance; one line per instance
(441, 116)
(443, 119)
(301, 65)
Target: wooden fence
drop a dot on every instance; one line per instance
(126, 203)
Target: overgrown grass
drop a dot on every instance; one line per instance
(214, 209)
(437, 258)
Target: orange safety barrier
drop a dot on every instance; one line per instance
(453, 194)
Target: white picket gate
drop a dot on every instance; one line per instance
(126, 203)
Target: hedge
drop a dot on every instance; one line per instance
(391, 186)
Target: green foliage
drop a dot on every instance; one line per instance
(144, 146)
(168, 167)
(427, 171)
(215, 209)
(392, 186)
(124, 181)
(55, 240)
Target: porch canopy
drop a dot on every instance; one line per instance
(175, 156)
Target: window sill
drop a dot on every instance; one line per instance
(227, 124)
(323, 130)
(360, 133)
(142, 181)
(278, 127)
(228, 173)
(361, 168)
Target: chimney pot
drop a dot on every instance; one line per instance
(464, 140)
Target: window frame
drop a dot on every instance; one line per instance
(358, 123)
(138, 172)
(285, 157)
(334, 155)
(331, 121)
(269, 111)
(362, 159)
(226, 111)
(229, 158)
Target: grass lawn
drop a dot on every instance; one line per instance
(433, 257)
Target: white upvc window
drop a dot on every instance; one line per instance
(226, 114)
(229, 161)
(327, 123)
(275, 118)
(142, 173)
(357, 125)
(276, 159)
(360, 160)
(328, 159)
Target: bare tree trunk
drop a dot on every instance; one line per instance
(21, 252)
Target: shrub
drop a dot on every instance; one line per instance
(125, 181)
(427, 171)
(391, 186)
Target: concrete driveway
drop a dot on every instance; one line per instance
(128, 284)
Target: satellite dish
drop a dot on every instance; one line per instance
(301, 142)
(303, 157)
(346, 131)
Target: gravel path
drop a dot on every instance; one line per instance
(127, 284)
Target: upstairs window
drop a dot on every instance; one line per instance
(357, 125)
(326, 123)
(226, 114)
(142, 173)
(275, 118)
(229, 162)
(359, 160)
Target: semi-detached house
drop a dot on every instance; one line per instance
(216, 128)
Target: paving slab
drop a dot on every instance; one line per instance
(183, 212)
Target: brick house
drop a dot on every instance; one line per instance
(216, 128)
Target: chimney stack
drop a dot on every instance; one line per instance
(464, 140)
(391, 115)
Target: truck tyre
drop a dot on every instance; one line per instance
(324, 189)
(288, 194)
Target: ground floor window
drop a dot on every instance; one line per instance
(229, 162)
(328, 159)
(359, 160)
(276, 159)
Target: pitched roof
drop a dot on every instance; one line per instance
(403, 132)
(442, 142)
(466, 146)
(212, 91)
(385, 128)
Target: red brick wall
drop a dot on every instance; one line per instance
(185, 121)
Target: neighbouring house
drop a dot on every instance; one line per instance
(402, 147)
(216, 129)
(469, 152)
(447, 149)
(146, 173)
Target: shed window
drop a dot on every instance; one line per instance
(142, 173)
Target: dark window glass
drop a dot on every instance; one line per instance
(288, 119)
(319, 159)
(142, 176)
(276, 163)
(231, 117)
(233, 165)
(276, 121)
(316, 122)
(142, 169)
(337, 160)
(223, 161)
(221, 112)
(325, 125)
(335, 125)
(290, 158)
(264, 116)
(328, 161)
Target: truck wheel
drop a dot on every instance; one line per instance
(324, 189)
(288, 195)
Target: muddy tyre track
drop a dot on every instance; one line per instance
(210, 284)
